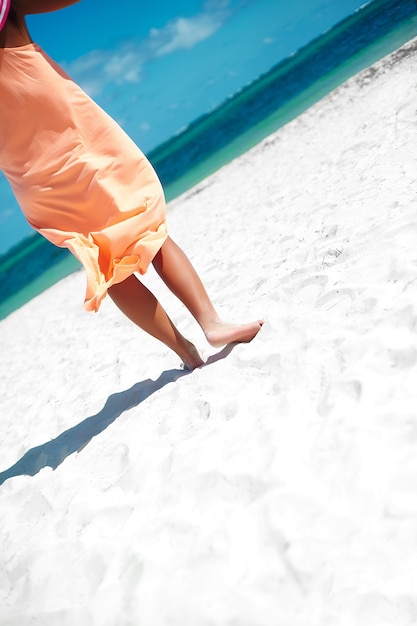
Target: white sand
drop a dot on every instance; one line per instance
(277, 486)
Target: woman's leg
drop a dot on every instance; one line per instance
(142, 308)
(179, 275)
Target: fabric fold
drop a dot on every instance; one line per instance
(102, 268)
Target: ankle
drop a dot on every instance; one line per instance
(190, 356)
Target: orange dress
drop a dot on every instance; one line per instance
(78, 178)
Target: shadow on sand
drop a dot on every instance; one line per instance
(54, 452)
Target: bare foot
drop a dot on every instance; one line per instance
(191, 357)
(220, 333)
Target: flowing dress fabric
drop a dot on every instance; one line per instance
(79, 179)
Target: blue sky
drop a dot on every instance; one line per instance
(156, 68)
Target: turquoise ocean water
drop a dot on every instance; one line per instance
(275, 98)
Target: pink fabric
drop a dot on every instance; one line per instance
(4, 11)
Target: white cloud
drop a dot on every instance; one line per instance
(95, 70)
(183, 33)
(100, 68)
(124, 67)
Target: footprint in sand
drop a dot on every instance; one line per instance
(315, 281)
(335, 297)
(308, 289)
(331, 257)
(301, 283)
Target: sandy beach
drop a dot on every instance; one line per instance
(277, 485)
